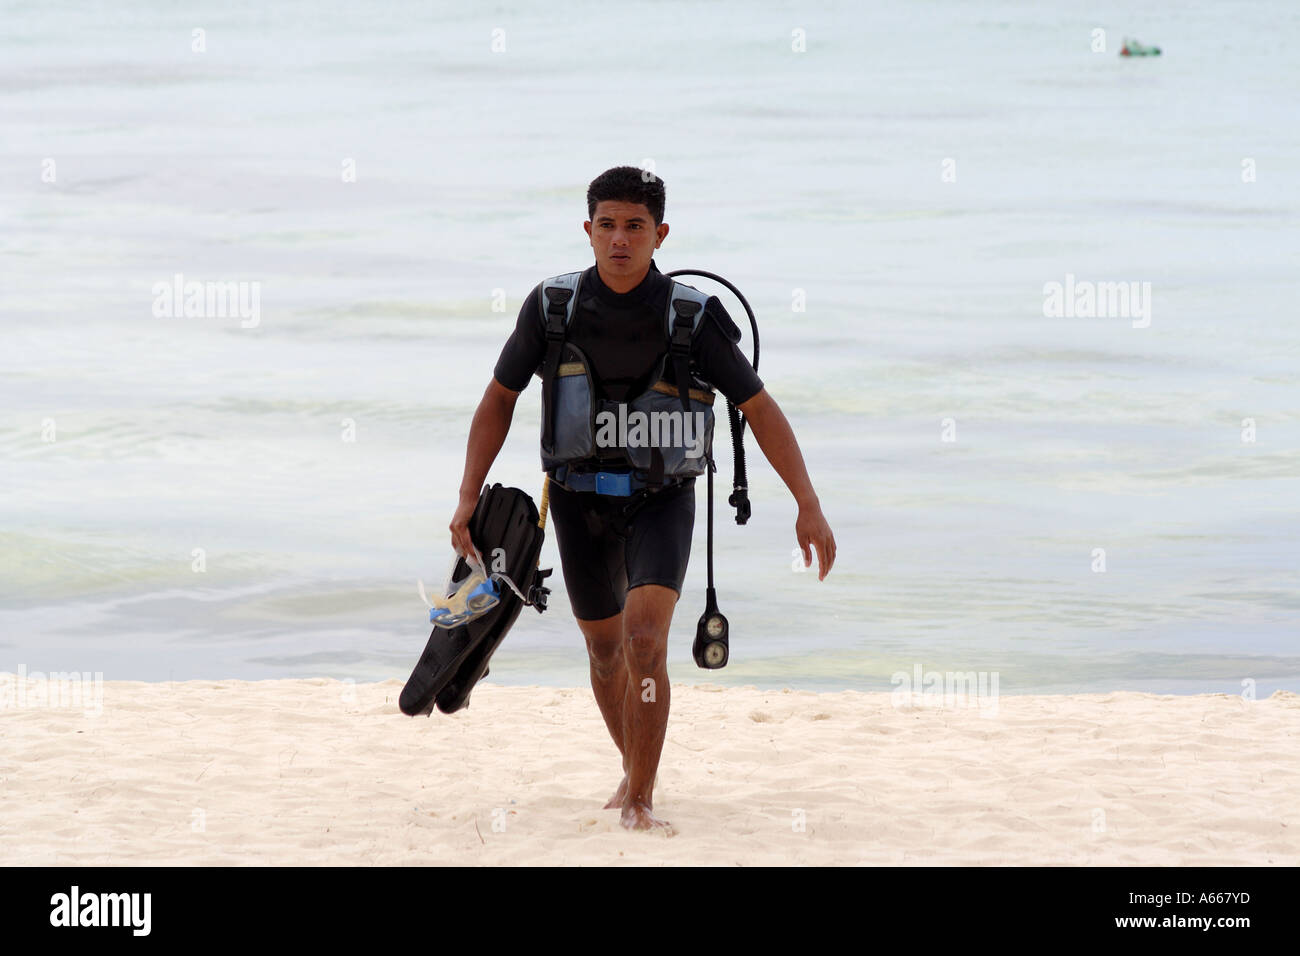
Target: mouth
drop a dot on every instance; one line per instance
(621, 257)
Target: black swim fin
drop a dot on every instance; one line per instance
(505, 529)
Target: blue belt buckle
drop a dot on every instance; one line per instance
(613, 483)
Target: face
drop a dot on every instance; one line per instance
(624, 237)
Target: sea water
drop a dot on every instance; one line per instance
(1073, 502)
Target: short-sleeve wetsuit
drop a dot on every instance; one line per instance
(608, 544)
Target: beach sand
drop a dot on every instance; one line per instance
(327, 772)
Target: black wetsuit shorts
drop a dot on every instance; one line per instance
(609, 545)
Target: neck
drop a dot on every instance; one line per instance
(624, 283)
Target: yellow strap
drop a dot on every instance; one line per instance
(546, 501)
(695, 393)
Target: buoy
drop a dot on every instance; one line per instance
(1134, 48)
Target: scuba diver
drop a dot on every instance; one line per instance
(629, 360)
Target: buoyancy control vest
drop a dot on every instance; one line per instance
(666, 430)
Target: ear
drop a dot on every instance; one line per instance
(662, 233)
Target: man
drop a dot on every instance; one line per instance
(624, 555)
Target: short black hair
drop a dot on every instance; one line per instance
(628, 184)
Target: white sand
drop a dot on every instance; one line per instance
(322, 772)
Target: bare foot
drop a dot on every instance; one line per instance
(637, 816)
(619, 796)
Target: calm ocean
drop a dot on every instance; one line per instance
(254, 495)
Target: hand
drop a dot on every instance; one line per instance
(810, 528)
(461, 542)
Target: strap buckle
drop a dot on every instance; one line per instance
(613, 483)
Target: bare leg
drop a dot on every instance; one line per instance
(646, 617)
(609, 683)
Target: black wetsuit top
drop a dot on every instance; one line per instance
(623, 335)
(604, 550)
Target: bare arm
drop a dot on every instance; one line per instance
(487, 433)
(776, 439)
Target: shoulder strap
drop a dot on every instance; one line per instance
(568, 283)
(685, 310)
(558, 298)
